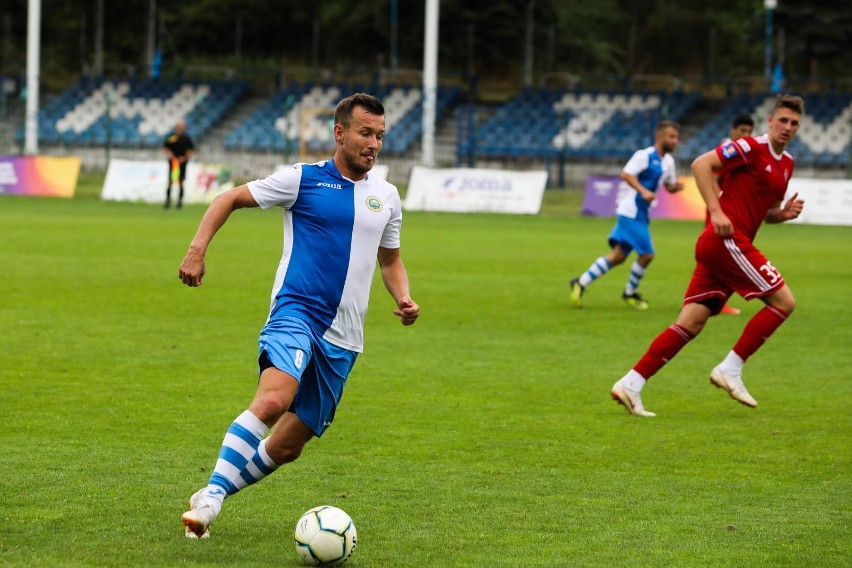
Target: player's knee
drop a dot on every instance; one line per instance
(693, 326)
(787, 305)
(615, 259)
(286, 452)
(782, 300)
(693, 317)
(268, 409)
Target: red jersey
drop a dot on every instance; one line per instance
(753, 179)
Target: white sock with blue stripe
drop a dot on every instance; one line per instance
(637, 271)
(598, 268)
(242, 460)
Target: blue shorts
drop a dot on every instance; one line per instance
(320, 367)
(632, 234)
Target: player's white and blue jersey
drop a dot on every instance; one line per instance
(651, 170)
(333, 227)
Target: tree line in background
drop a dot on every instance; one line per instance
(510, 41)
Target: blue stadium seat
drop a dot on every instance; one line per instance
(139, 107)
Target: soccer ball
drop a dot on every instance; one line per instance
(325, 536)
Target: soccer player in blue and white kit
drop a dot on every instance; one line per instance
(338, 221)
(641, 177)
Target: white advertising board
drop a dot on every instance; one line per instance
(145, 181)
(827, 201)
(471, 190)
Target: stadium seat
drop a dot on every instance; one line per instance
(137, 109)
(282, 115)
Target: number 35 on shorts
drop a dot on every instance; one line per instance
(770, 273)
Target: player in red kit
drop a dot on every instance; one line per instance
(742, 125)
(755, 172)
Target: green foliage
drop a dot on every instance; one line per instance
(481, 436)
(591, 37)
(621, 37)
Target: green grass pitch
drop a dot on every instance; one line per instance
(482, 436)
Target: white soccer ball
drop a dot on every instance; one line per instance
(325, 536)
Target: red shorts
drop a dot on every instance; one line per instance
(728, 265)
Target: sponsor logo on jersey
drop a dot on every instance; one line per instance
(374, 203)
(729, 150)
(786, 175)
(768, 168)
(331, 185)
(744, 145)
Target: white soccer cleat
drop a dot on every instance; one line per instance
(199, 517)
(733, 383)
(191, 535)
(629, 399)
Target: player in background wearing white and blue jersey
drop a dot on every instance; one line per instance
(646, 170)
(338, 221)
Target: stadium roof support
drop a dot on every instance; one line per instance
(430, 81)
(33, 63)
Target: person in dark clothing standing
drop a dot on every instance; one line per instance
(179, 149)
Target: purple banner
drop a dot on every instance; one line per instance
(602, 192)
(599, 199)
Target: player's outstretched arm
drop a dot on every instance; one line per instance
(395, 279)
(792, 208)
(192, 269)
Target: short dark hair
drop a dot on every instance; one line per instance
(345, 108)
(742, 120)
(792, 102)
(663, 124)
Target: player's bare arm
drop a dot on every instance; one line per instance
(395, 279)
(192, 268)
(792, 208)
(633, 182)
(703, 169)
(674, 187)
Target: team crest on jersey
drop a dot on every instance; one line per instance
(374, 203)
(729, 150)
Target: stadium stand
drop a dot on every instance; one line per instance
(544, 122)
(300, 111)
(536, 123)
(141, 113)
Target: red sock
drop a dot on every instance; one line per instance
(758, 329)
(663, 348)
